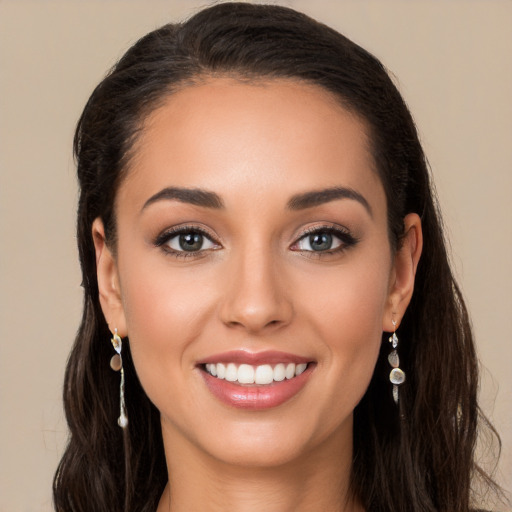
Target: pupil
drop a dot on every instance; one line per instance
(191, 241)
(320, 241)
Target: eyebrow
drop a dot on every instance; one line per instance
(195, 196)
(207, 199)
(326, 195)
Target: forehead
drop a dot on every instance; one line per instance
(250, 138)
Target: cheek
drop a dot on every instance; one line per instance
(158, 299)
(164, 316)
(351, 299)
(346, 309)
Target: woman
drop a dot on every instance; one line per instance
(255, 223)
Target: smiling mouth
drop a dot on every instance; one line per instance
(255, 381)
(264, 374)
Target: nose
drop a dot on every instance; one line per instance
(256, 297)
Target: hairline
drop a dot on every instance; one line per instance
(202, 78)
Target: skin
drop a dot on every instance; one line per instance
(255, 287)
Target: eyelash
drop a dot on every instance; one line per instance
(171, 233)
(344, 236)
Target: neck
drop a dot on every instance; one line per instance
(317, 480)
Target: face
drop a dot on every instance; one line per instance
(254, 274)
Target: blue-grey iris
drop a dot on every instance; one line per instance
(320, 241)
(191, 241)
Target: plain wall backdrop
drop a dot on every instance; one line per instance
(453, 63)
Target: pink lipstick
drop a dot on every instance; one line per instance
(255, 380)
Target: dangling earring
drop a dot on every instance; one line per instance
(116, 363)
(397, 376)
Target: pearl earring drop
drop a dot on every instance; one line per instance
(116, 363)
(397, 376)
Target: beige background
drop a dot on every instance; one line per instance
(453, 63)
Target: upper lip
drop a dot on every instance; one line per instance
(254, 358)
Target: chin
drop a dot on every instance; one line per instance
(261, 443)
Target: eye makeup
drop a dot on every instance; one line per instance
(186, 241)
(324, 241)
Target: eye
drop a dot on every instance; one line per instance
(190, 242)
(324, 240)
(185, 240)
(320, 241)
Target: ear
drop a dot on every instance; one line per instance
(403, 273)
(108, 281)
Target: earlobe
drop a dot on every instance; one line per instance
(108, 281)
(404, 271)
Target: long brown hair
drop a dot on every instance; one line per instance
(417, 457)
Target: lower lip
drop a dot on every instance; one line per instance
(256, 397)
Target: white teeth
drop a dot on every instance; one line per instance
(221, 371)
(231, 373)
(262, 374)
(300, 368)
(212, 369)
(245, 374)
(279, 372)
